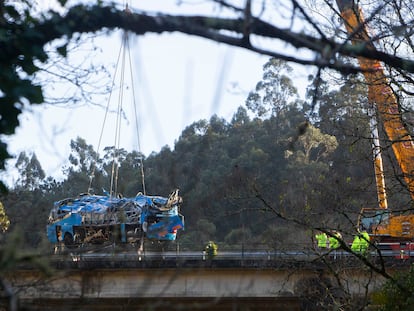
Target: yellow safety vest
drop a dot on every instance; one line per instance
(321, 239)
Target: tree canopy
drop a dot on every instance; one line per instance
(26, 34)
(218, 166)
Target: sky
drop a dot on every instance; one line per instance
(178, 79)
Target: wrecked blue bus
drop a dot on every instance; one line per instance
(96, 219)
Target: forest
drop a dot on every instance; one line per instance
(281, 167)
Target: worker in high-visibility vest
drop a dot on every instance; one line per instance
(321, 240)
(361, 243)
(211, 249)
(364, 242)
(334, 240)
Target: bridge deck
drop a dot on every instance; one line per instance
(262, 281)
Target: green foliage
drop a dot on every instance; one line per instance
(312, 145)
(396, 294)
(30, 172)
(237, 237)
(4, 219)
(14, 253)
(16, 85)
(274, 92)
(216, 164)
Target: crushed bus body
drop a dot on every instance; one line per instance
(97, 219)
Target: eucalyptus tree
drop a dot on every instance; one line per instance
(275, 91)
(162, 171)
(30, 172)
(84, 170)
(130, 178)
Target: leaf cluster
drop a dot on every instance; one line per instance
(397, 293)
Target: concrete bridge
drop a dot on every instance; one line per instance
(164, 282)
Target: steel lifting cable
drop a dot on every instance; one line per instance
(92, 176)
(117, 137)
(136, 121)
(115, 165)
(134, 102)
(141, 164)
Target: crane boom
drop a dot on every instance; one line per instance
(377, 156)
(379, 222)
(380, 93)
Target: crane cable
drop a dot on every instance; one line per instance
(117, 138)
(136, 121)
(134, 102)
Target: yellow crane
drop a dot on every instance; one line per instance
(380, 223)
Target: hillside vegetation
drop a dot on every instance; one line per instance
(279, 168)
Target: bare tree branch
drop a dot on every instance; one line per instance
(229, 31)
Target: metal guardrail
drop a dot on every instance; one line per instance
(129, 256)
(224, 259)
